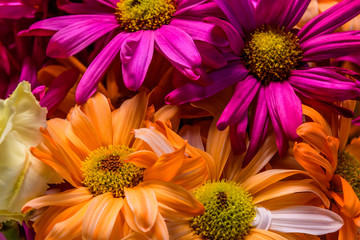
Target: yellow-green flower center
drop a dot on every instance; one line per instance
(271, 53)
(229, 211)
(349, 168)
(104, 170)
(135, 15)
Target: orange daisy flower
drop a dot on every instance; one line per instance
(127, 183)
(335, 165)
(244, 203)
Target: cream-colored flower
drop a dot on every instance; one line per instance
(22, 177)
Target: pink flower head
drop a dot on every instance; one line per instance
(134, 29)
(271, 70)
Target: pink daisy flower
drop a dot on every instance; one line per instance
(271, 70)
(134, 28)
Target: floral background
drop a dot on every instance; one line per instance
(179, 119)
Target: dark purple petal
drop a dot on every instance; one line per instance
(259, 125)
(231, 13)
(238, 106)
(109, 3)
(282, 13)
(179, 48)
(58, 89)
(185, 5)
(330, 20)
(28, 72)
(75, 37)
(39, 92)
(327, 107)
(16, 10)
(210, 55)
(284, 107)
(294, 13)
(281, 139)
(330, 46)
(5, 64)
(232, 73)
(238, 135)
(134, 71)
(88, 83)
(323, 85)
(202, 31)
(88, 7)
(201, 11)
(58, 23)
(235, 40)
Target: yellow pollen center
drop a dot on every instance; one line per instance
(229, 211)
(271, 53)
(135, 15)
(104, 170)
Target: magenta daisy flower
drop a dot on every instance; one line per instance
(271, 69)
(135, 28)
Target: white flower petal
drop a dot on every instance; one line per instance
(305, 219)
(28, 117)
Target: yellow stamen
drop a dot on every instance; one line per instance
(105, 171)
(271, 53)
(135, 15)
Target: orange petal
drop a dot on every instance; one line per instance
(192, 135)
(290, 187)
(82, 127)
(128, 117)
(71, 227)
(100, 217)
(354, 148)
(314, 135)
(142, 202)
(192, 174)
(168, 113)
(318, 118)
(168, 165)
(219, 147)
(67, 198)
(318, 166)
(350, 205)
(157, 141)
(52, 216)
(97, 109)
(174, 200)
(142, 158)
(258, 234)
(159, 231)
(258, 162)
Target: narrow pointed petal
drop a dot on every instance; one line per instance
(77, 36)
(66, 198)
(128, 117)
(305, 219)
(283, 12)
(330, 20)
(238, 106)
(88, 83)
